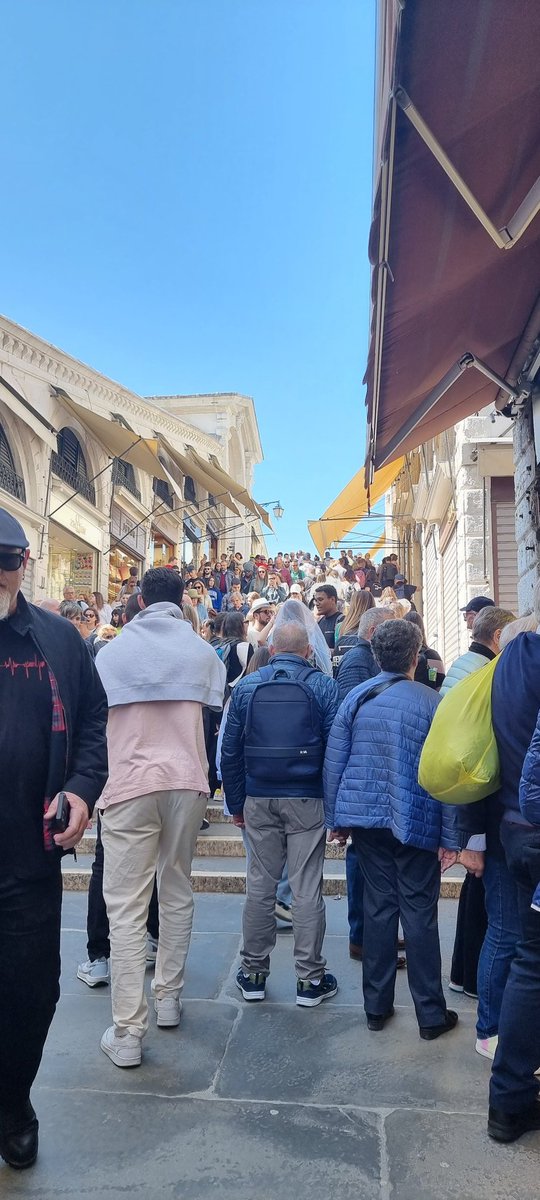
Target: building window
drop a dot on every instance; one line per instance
(162, 490)
(69, 464)
(123, 475)
(189, 490)
(9, 480)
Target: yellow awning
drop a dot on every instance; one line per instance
(378, 545)
(117, 440)
(352, 504)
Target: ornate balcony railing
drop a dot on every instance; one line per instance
(12, 483)
(64, 470)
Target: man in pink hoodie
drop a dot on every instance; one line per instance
(158, 675)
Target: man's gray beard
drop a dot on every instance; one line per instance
(5, 601)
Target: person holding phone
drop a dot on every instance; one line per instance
(52, 741)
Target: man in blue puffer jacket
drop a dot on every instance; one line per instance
(371, 789)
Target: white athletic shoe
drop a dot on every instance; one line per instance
(487, 1046)
(123, 1049)
(167, 1012)
(94, 972)
(151, 949)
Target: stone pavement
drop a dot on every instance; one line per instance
(265, 1101)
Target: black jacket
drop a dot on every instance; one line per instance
(78, 761)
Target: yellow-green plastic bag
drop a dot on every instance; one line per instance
(460, 760)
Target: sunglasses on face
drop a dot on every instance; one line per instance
(11, 560)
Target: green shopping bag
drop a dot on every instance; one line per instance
(460, 760)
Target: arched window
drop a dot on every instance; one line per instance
(70, 465)
(9, 480)
(124, 476)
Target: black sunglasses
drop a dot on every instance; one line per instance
(12, 561)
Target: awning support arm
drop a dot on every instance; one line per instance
(466, 361)
(504, 238)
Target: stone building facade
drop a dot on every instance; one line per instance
(100, 477)
(451, 519)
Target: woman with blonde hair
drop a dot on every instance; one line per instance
(360, 603)
(191, 615)
(387, 598)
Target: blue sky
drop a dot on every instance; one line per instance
(186, 204)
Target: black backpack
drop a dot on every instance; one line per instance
(284, 743)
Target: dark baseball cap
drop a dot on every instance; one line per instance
(11, 532)
(477, 604)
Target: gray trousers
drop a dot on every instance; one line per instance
(291, 830)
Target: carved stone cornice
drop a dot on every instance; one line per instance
(28, 352)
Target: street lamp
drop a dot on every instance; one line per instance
(277, 510)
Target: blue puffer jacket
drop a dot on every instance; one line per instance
(371, 766)
(529, 788)
(236, 782)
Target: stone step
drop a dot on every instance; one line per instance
(222, 876)
(225, 842)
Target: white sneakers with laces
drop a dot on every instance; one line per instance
(123, 1049)
(95, 973)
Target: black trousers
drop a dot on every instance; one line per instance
(29, 980)
(400, 881)
(97, 921)
(471, 929)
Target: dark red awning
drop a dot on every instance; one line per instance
(441, 286)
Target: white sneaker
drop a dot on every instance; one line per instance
(94, 972)
(487, 1046)
(283, 911)
(151, 949)
(167, 1012)
(123, 1049)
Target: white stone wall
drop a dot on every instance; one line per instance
(34, 368)
(527, 516)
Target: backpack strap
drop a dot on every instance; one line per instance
(377, 690)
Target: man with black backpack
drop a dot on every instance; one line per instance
(271, 763)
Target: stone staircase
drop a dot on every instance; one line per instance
(220, 862)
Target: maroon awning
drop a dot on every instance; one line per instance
(441, 285)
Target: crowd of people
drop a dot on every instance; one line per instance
(303, 693)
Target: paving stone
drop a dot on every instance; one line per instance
(449, 1156)
(148, 1147)
(327, 1055)
(208, 965)
(175, 1061)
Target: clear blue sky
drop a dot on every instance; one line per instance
(186, 194)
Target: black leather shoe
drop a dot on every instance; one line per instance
(430, 1032)
(19, 1140)
(376, 1023)
(508, 1127)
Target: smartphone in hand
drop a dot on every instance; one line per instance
(61, 818)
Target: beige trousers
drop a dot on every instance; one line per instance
(150, 833)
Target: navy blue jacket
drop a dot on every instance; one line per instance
(515, 701)
(357, 665)
(529, 788)
(236, 781)
(371, 766)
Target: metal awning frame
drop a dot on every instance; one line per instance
(506, 237)
(464, 363)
